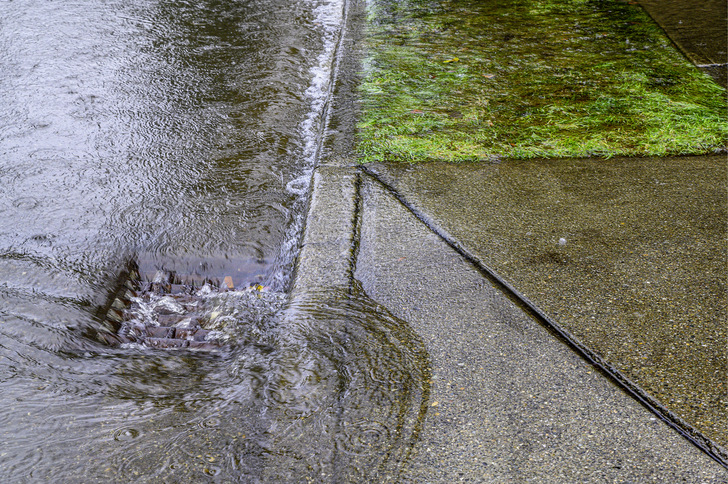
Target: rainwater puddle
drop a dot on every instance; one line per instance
(181, 135)
(330, 387)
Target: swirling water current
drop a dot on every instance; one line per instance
(181, 134)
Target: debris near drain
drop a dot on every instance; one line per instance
(164, 312)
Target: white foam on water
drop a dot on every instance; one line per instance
(230, 316)
(299, 186)
(330, 16)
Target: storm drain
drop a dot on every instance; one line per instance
(162, 310)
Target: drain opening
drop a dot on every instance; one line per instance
(162, 309)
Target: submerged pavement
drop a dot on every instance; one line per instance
(698, 28)
(573, 311)
(510, 400)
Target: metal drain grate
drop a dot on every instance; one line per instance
(160, 310)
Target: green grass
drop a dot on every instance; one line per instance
(477, 80)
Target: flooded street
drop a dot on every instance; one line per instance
(166, 129)
(181, 135)
(189, 254)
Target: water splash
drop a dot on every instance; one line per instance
(328, 388)
(331, 16)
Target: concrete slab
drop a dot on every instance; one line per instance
(628, 255)
(699, 28)
(509, 402)
(326, 256)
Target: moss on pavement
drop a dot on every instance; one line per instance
(461, 80)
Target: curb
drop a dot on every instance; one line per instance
(327, 253)
(326, 258)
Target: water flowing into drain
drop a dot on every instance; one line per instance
(332, 389)
(136, 313)
(126, 316)
(167, 311)
(182, 137)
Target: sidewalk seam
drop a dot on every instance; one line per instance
(715, 451)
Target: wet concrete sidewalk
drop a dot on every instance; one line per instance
(627, 255)
(699, 29)
(574, 311)
(510, 400)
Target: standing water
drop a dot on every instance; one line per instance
(180, 135)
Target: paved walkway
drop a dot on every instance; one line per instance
(574, 311)
(510, 401)
(626, 255)
(699, 29)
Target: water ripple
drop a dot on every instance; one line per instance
(186, 131)
(375, 422)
